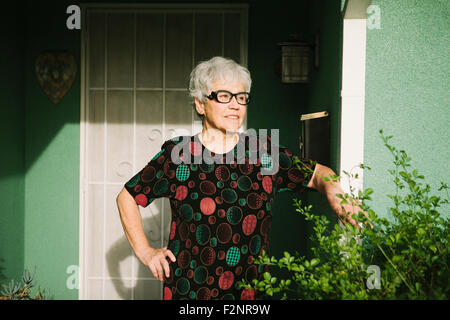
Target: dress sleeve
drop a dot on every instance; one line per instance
(153, 181)
(294, 172)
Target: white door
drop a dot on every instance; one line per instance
(136, 63)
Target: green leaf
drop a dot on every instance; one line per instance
(404, 174)
(314, 262)
(434, 200)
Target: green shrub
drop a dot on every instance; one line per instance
(405, 257)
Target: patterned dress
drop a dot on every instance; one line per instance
(221, 211)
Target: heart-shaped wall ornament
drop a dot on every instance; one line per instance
(55, 72)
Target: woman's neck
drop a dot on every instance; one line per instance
(218, 141)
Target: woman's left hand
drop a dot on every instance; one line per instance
(346, 211)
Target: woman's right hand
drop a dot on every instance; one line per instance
(155, 260)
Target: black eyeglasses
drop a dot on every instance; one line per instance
(224, 96)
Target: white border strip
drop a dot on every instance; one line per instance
(352, 102)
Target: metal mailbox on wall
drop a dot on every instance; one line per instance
(315, 138)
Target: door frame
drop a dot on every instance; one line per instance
(353, 92)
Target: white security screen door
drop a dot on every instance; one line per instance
(136, 63)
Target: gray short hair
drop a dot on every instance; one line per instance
(216, 68)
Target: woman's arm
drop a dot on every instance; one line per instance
(130, 217)
(317, 181)
(330, 189)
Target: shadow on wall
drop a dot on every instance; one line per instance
(146, 286)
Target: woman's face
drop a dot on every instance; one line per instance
(223, 116)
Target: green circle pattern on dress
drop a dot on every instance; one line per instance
(266, 161)
(244, 183)
(229, 195)
(255, 244)
(182, 172)
(183, 286)
(234, 215)
(175, 247)
(202, 234)
(228, 296)
(200, 274)
(233, 256)
(133, 181)
(186, 212)
(161, 186)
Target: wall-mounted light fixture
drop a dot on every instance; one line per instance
(296, 59)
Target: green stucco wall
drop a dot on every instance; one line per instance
(407, 94)
(52, 156)
(12, 135)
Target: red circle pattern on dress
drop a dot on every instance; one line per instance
(207, 206)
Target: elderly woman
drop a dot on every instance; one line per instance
(221, 209)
